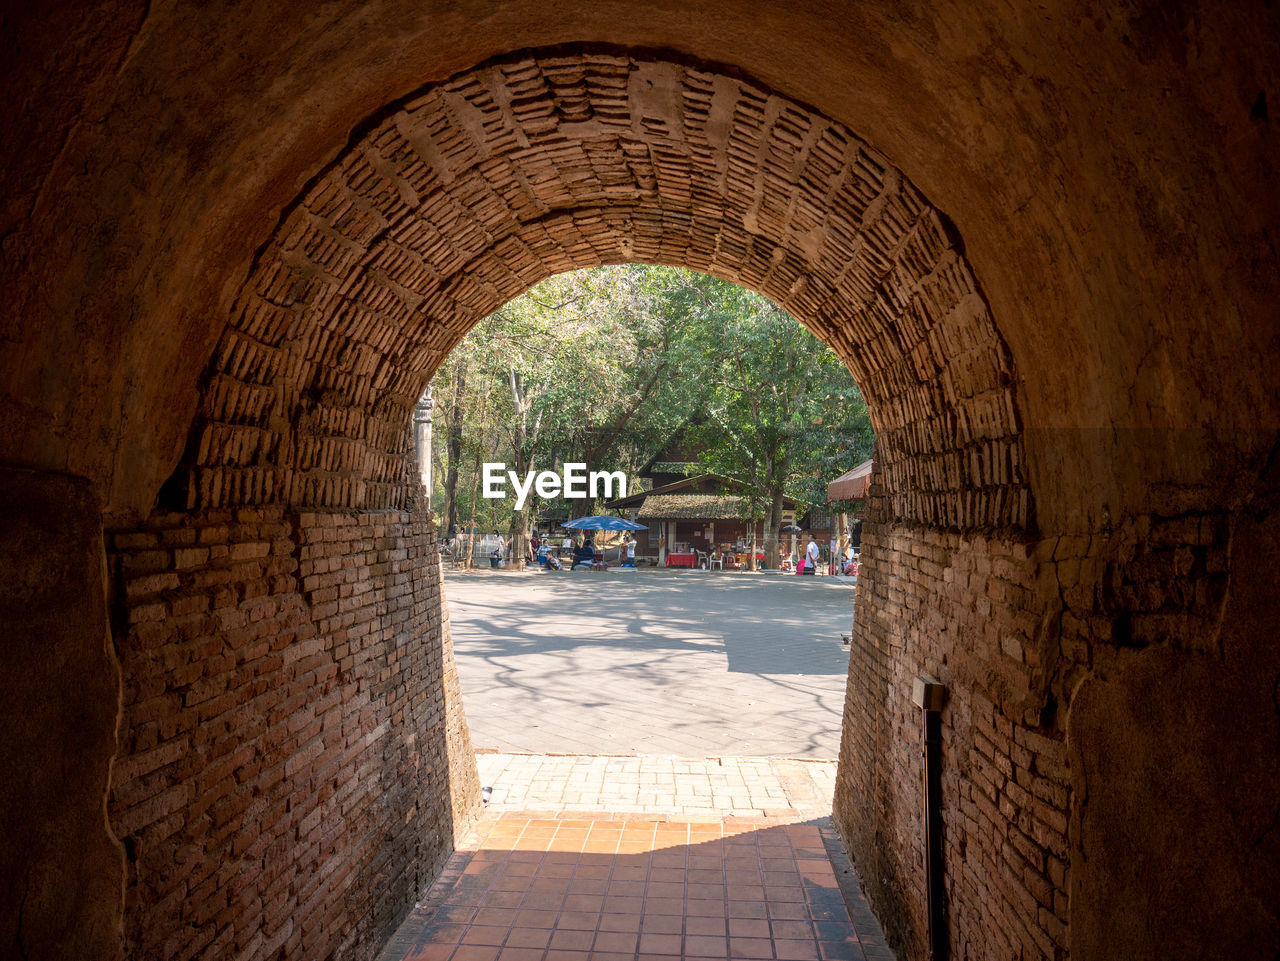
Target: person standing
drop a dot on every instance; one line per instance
(629, 548)
(812, 555)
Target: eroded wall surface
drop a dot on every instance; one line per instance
(60, 866)
(1110, 739)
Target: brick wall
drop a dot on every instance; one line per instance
(1016, 627)
(469, 192)
(966, 609)
(293, 760)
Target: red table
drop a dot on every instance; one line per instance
(682, 560)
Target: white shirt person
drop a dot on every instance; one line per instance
(812, 554)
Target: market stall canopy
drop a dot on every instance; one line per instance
(602, 522)
(852, 485)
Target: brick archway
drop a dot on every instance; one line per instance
(440, 210)
(472, 191)
(285, 764)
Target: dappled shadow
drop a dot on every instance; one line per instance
(678, 663)
(767, 625)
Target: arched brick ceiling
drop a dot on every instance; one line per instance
(472, 191)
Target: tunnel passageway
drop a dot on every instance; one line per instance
(1043, 241)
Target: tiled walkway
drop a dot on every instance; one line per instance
(599, 884)
(716, 786)
(616, 889)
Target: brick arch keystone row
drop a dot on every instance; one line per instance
(470, 192)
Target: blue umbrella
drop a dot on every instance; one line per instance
(602, 522)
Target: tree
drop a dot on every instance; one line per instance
(782, 409)
(603, 366)
(584, 373)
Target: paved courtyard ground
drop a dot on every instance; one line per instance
(639, 867)
(682, 663)
(759, 787)
(658, 752)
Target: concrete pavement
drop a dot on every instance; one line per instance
(681, 663)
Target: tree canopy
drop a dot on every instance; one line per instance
(604, 366)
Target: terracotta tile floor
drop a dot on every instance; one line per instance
(600, 887)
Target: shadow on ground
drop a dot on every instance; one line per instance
(691, 664)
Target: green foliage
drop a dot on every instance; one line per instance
(605, 366)
(783, 414)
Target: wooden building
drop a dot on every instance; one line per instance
(699, 513)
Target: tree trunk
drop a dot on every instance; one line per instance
(475, 487)
(518, 539)
(771, 529)
(752, 563)
(472, 539)
(453, 446)
(518, 530)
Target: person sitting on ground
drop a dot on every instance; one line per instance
(850, 562)
(584, 555)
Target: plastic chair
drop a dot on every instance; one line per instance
(717, 560)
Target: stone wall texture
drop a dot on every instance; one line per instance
(293, 764)
(1082, 761)
(969, 611)
(60, 866)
